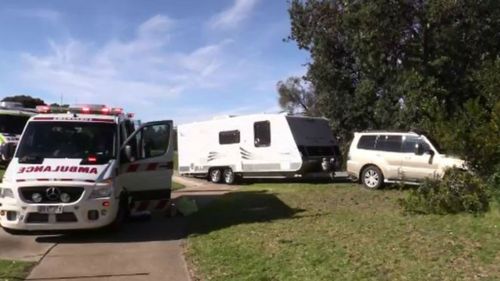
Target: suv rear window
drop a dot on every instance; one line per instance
(367, 142)
(390, 143)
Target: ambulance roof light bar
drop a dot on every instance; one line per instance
(81, 109)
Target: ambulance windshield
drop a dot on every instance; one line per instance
(12, 124)
(67, 140)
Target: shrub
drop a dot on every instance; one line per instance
(457, 192)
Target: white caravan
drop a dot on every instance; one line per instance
(85, 168)
(257, 146)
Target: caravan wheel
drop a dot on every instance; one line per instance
(229, 177)
(215, 175)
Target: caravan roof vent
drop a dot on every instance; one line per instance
(223, 117)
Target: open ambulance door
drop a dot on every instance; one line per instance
(146, 165)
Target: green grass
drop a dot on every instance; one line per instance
(14, 270)
(337, 232)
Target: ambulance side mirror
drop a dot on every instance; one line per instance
(127, 152)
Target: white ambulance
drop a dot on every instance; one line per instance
(13, 118)
(85, 168)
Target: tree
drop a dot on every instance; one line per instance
(26, 101)
(401, 64)
(297, 96)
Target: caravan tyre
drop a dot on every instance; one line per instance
(229, 176)
(215, 175)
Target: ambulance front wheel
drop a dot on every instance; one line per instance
(122, 215)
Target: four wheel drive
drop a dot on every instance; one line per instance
(376, 158)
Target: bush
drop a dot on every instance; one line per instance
(494, 179)
(457, 192)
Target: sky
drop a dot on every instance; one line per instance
(186, 60)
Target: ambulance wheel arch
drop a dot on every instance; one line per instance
(146, 162)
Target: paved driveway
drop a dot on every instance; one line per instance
(151, 250)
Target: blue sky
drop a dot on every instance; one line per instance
(185, 60)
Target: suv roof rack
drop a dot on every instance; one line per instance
(389, 131)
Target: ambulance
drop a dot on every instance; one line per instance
(13, 117)
(85, 167)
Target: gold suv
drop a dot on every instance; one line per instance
(376, 158)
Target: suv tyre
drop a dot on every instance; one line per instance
(372, 177)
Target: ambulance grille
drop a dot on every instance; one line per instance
(37, 218)
(50, 194)
(66, 217)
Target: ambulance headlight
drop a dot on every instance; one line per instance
(101, 192)
(37, 197)
(6, 193)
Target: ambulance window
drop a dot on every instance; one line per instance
(229, 137)
(67, 140)
(151, 141)
(129, 127)
(262, 133)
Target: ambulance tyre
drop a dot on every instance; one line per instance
(228, 176)
(215, 175)
(121, 216)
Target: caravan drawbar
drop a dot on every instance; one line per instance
(257, 146)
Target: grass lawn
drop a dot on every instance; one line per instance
(337, 232)
(14, 270)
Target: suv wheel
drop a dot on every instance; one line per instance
(372, 177)
(215, 175)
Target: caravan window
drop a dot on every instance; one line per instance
(262, 133)
(229, 137)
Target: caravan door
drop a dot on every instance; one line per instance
(259, 157)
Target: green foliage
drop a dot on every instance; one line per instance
(296, 95)
(458, 192)
(27, 101)
(429, 65)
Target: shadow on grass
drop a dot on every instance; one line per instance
(240, 208)
(226, 211)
